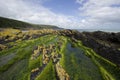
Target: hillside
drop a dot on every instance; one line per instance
(49, 54)
(11, 23)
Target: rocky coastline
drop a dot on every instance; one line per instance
(106, 44)
(57, 52)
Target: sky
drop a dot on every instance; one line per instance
(70, 14)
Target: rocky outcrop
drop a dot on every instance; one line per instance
(2, 47)
(15, 35)
(49, 52)
(37, 52)
(105, 44)
(36, 71)
(61, 73)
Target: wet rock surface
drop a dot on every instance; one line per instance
(61, 73)
(48, 53)
(41, 54)
(36, 72)
(105, 44)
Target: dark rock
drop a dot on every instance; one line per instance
(104, 43)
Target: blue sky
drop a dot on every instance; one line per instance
(74, 14)
(67, 7)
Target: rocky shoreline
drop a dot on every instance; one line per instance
(50, 52)
(105, 44)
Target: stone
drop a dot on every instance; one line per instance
(34, 70)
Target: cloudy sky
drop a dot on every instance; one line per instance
(79, 14)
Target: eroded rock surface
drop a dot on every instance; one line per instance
(48, 53)
(105, 44)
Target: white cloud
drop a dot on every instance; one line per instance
(101, 13)
(27, 11)
(80, 1)
(93, 13)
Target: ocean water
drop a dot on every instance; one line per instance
(104, 30)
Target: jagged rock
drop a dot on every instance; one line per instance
(34, 70)
(40, 48)
(103, 43)
(2, 47)
(46, 60)
(44, 51)
(61, 72)
(36, 52)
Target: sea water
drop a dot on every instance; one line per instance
(104, 30)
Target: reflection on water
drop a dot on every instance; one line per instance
(79, 66)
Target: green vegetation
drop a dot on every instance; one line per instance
(11, 23)
(36, 58)
(108, 69)
(79, 66)
(48, 73)
(35, 63)
(22, 52)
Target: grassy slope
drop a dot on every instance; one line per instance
(11, 23)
